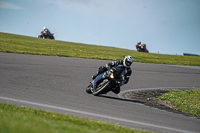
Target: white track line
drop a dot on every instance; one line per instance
(93, 114)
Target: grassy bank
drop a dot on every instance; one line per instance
(186, 101)
(30, 45)
(15, 119)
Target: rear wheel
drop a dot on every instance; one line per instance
(102, 88)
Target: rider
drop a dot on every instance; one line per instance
(140, 47)
(126, 63)
(46, 30)
(138, 43)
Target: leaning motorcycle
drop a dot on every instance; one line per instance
(142, 48)
(47, 35)
(107, 81)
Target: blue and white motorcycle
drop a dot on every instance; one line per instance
(107, 81)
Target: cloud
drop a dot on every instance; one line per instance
(7, 5)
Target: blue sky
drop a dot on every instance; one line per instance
(166, 26)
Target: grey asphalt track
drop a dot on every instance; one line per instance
(58, 84)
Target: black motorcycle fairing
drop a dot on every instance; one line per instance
(119, 75)
(97, 79)
(48, 35)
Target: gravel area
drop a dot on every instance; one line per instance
(146, 97)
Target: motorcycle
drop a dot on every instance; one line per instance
(141, 48)
(107, 81)
(47, 35)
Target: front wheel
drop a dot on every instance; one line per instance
(102, 88)
(89, 89)
(40, 36)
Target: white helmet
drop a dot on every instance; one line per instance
(128, 60)
(138, 42)
(44, 28)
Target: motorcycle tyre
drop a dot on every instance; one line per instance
(51, 37)
(40, 36)
(103, 89)
(88, 89)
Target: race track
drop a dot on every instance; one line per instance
(58, 84)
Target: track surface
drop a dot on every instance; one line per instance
(58, 84)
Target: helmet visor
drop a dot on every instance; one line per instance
(128, 63)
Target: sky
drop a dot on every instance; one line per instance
(165, 26)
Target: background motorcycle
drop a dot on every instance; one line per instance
(47, 35)
(107, 81)
(141, 48)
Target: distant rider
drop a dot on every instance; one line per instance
(46, 31)
(138, 45)
(126, 63)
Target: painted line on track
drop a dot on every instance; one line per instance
(93, 114)
(190, 67)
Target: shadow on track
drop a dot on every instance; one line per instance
(116, 98)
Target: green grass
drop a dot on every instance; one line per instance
(186, 101)
(30, 45)
(15, 119)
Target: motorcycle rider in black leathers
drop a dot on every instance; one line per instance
(126, 63)
(46, 31)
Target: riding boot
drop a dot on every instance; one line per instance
(116, 90)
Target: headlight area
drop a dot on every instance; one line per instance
(111, 75)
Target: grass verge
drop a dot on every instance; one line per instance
(30, 45)
(186, 101)
(28, 120)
